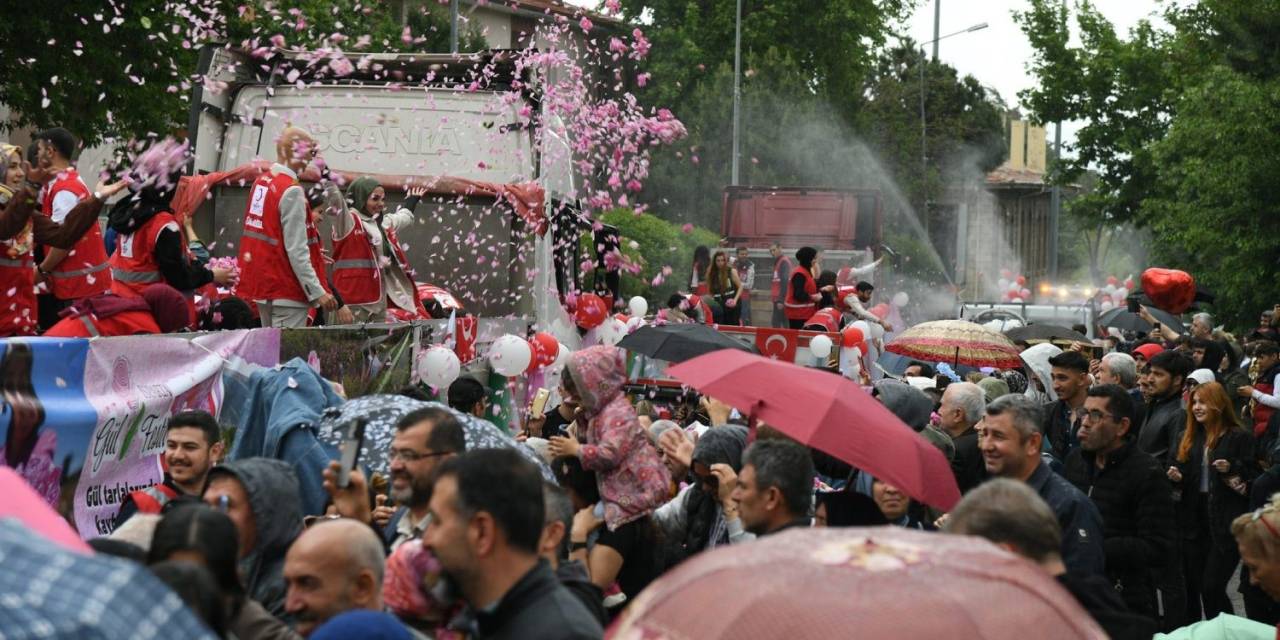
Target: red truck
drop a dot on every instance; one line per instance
(845, 224)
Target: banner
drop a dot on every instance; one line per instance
(93, 414)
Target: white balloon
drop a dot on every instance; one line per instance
(1016, 300)
(864, 327)
(438, 367)
(900, 299)
(1108, 305)
(638, 306)
(612, 331)
(510, 355)
(1002, 283)
(877, 331)
(562, 358)
(1121, 293)
(820, 346)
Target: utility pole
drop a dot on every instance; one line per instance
(937, 22)
(453, 26)
(737, 93)
(1055, 205)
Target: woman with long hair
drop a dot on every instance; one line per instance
(27, 450)
(199, 534)
(1214, 465)
(701, 261)
(725, 287)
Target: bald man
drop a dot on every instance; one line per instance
(333, 567)
(281, 265)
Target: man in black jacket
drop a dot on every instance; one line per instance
(1130, 490)
(963, 404)
(1070, 373)
(486, 521)
(1167, 371)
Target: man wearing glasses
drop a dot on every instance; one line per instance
(424, 439)
(1130, 490)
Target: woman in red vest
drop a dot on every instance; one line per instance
(371, 272)
(804, 295)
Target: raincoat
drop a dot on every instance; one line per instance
(632, 478)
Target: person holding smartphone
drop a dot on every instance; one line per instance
(556, 422)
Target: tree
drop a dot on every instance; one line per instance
(125, 69)
(658, 247)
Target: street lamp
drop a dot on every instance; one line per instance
(737, 90)
(924, 126)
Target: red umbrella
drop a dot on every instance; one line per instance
(829, 413)
(881, 582)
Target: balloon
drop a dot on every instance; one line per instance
(880, 311)
(1013, 286)
(1169, 289)
(1016, 301)
(545, 350)
(638, 306)
(820, 346)
(1021, 280)
(562, 357)
(877, 331)
(900, 299)
(591, 311)
(439, 367)
(1113, 281)
(1108, 305)
(510, 355)
(863, 327)
(1002, 283)
(1006, 274)
(1109, 290)
(1128, 283)
(1121, 293)
(622, 317)
(852, 336)
(612, 331)
(1025, 294)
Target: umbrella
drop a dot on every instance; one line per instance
(22, 502)
(1123, 319)
(829, 413)
(51, 592)
(1049, 332)
(956, 342)
(382, 411)
(679, 342)
(874, 582)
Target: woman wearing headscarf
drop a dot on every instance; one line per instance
(371, 272)
(700, 517)
(150, 247)
(803, 294)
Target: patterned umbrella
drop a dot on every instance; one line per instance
(956, 342)
(878, 582)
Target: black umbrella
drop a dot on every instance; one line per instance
(1125, 320)
(679, 342)
(1052, 333)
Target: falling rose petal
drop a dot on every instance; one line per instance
(585, 24)
(687, 228)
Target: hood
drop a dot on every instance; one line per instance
(1201, 376)
(722, 445)
(910, 404)
(993, 388)
(358, 193)
(1148, 350)
(599, 373)
(1037, 360)
(273, 492)
(168, 307)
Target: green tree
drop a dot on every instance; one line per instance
(654, 244)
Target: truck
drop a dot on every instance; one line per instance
(844, 224)
(406, 119)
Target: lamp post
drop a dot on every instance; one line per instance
(924, 123)
(737, 92)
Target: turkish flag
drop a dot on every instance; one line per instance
(465, 341)
(778, 344)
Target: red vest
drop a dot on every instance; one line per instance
(357, 272)
(1261, 412)
(18, 302)
(152, 499)
(780, 266)
(824, 320)
(83, 272)
(801, 310)
(842, 295)
(265, 272)
(126, 323)
(133, 265)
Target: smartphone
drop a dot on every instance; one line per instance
(1134, 306)
(539, 406)
(940, 382)
(352, 442)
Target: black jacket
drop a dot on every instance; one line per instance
(967, 466)
(1105, 606)
(1160, 431)
(1081, 524)
(1132, 493)
(1059, 428)
(538, 607)
(1225, 503)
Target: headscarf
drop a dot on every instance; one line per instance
(153, 179)
(168, 307)
(719, 445)
(358, 193)
(993, 388)
(1015, 379)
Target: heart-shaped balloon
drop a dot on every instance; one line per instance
(1169, 289)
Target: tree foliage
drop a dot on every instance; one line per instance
(1179, 126)
(656, 245)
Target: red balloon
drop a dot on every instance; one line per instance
(1025, 294)
(1128, 284)
(622, 317)
(591, 312)
(545, 348)
(1169, 289)
(1113, 281)
(1022, 280)
(880, 311)
(851, 337)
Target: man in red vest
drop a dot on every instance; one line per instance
(81, 271)
(281, 264)
(193, 444)
(778, 293)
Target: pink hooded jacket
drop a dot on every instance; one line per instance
(632, 479)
